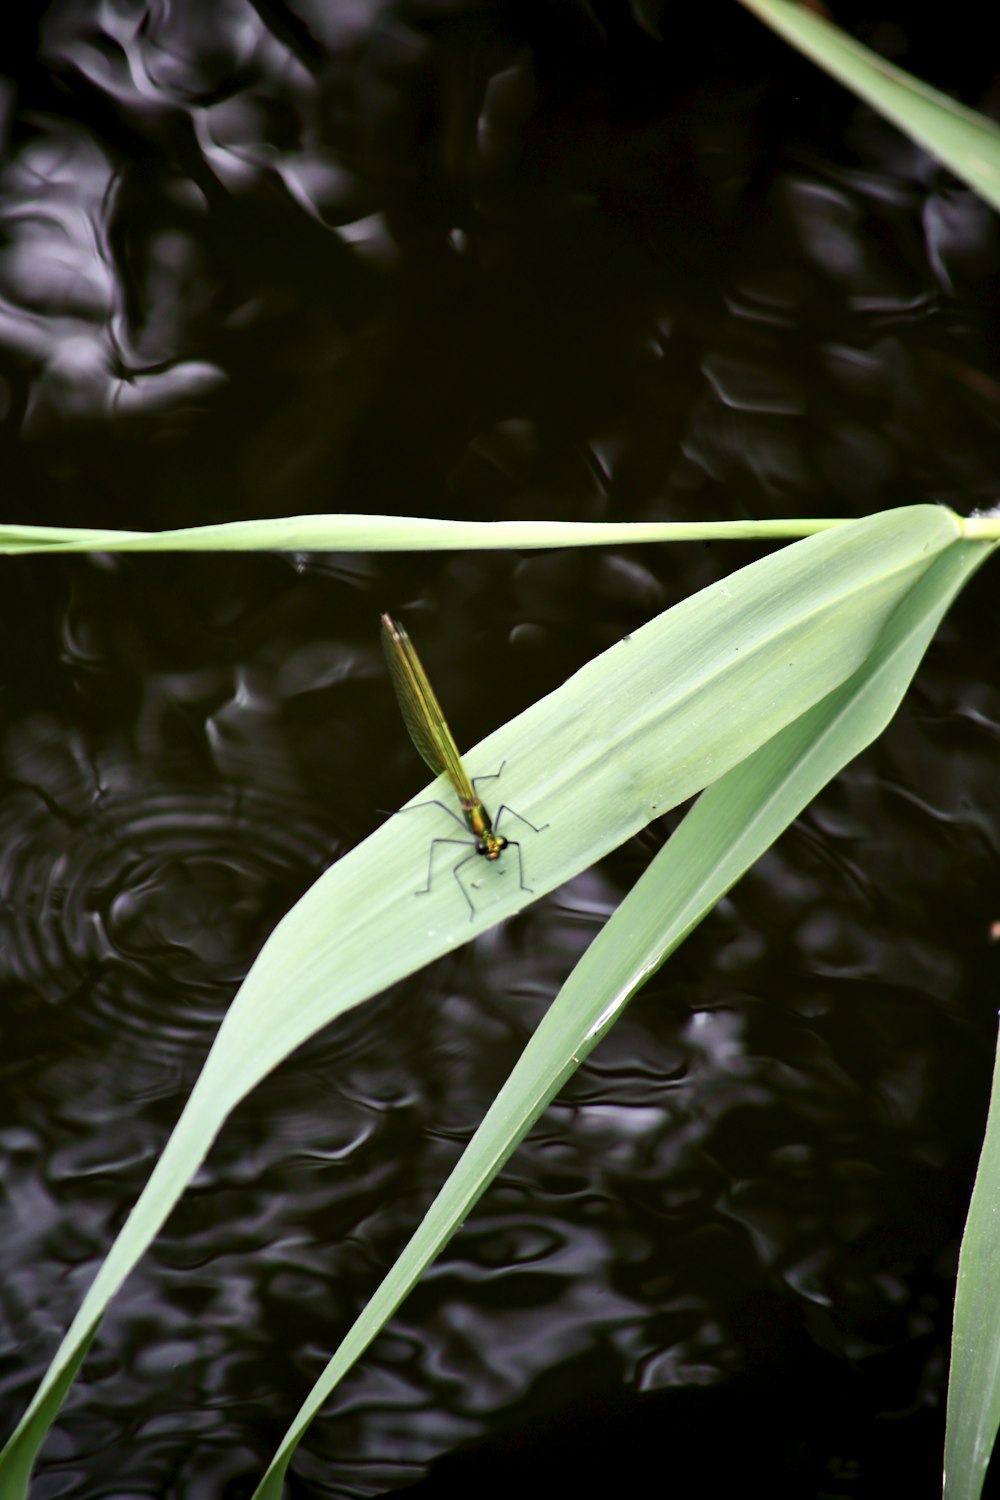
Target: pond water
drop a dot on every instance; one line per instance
(489, 261)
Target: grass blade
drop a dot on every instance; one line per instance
(730, 826)
(974, 1378)
(966, 142)
(363, 533)
(637, 730)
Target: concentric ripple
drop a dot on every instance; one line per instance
(151, 904)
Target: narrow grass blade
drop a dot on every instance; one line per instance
(966, 142)
(974, 1380)
(636, 731)
(730, 826)
(361, 533)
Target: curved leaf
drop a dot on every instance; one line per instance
(966, 142)
(730, 826)
(634, 732)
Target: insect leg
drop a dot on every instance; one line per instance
(504, 808)
(513, 844)
(434, 803)
(490, 776)
(455, 869)
(424, 889)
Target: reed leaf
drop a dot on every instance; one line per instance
(639, 729)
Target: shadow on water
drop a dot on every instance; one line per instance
(491, 261)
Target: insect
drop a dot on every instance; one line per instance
(434, 741)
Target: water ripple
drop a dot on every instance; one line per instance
(146, 892)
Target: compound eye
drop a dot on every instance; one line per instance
(481, 848)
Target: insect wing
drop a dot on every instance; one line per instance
(421, 711)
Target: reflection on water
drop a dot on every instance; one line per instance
(493, 262)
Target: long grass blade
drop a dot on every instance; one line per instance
(364, 533)
(730, 826)
(637, 730)
(974, 1380)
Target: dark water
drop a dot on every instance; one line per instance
(484, 260)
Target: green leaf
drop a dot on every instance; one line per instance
(966, 142)
(636, 731)
(974, 1381)
(730, 826)
(365, 533)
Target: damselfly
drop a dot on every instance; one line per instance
(434, 741)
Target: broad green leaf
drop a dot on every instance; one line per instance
(636, 731)
(729, 827)
(974, 1380)
(966, 142)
